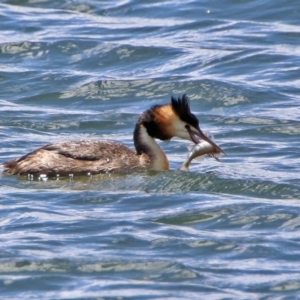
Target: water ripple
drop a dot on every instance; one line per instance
(229, 229)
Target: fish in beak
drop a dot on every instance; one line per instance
(195, 134)
(197, 150)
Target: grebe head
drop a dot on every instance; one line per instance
(174, 119)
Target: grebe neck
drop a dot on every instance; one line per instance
(147, 149)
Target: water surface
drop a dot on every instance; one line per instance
(86, 70)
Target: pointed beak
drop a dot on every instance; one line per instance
(194, 134)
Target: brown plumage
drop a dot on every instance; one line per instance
(71, 157)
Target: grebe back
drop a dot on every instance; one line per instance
(70, 157)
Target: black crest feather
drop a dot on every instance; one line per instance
(181, 107)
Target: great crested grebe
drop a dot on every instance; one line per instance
(70, 157)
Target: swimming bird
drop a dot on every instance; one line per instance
(89, 156)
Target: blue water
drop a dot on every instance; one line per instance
(86, 70)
